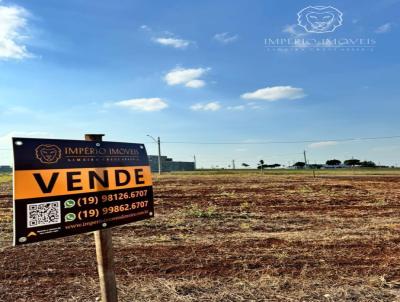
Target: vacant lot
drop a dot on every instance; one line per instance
(229, 237)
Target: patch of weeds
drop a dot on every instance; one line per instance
(197, 212)
(245, 206)
(280, 255)
(227, 194)
(380, 202)
(305, 189)
(245, 226)
(5, 177)
(176, 221)
(163, 238)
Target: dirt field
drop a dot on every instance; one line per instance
(239, 237)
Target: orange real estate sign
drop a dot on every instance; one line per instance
(66, 187)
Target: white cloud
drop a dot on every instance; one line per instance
(234, 108)
(166, 38)
(188, 77)
(323, 144)
(143, 104)
(254, 105)
(294, 30)
(298, 35)
(145, 27)
(275, 93)
(13, 32)
(173, 42)
(195, 84)
(225, 38)
(212, 106)
(385, 28)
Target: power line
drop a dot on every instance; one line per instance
(242, 159)
(274, 142)
(282, 142)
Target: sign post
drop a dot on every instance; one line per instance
(69, 187)
(104, 253)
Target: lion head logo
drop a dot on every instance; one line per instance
(320, 19)
(48, 154)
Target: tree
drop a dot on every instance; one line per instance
(245, 165)
(299, 164)
(333, 162)
(273, 166)
(352, 162)
(261, 165)
(315, 166)
(6, 169)
(367, 164)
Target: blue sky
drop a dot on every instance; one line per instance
(201, 71)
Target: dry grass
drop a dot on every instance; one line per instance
(5, 177)
(230, 238)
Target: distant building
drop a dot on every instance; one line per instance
(5, 169)
(169, 165)
(341, 166)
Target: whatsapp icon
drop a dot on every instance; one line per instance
(70, 217)
(69, 203)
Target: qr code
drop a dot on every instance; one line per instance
(44, 213)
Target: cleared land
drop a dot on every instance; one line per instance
(230, 237)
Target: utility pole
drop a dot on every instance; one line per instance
(305, 159)
(159, 155)
(158, 142)
(233, 164)
(194, 159)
